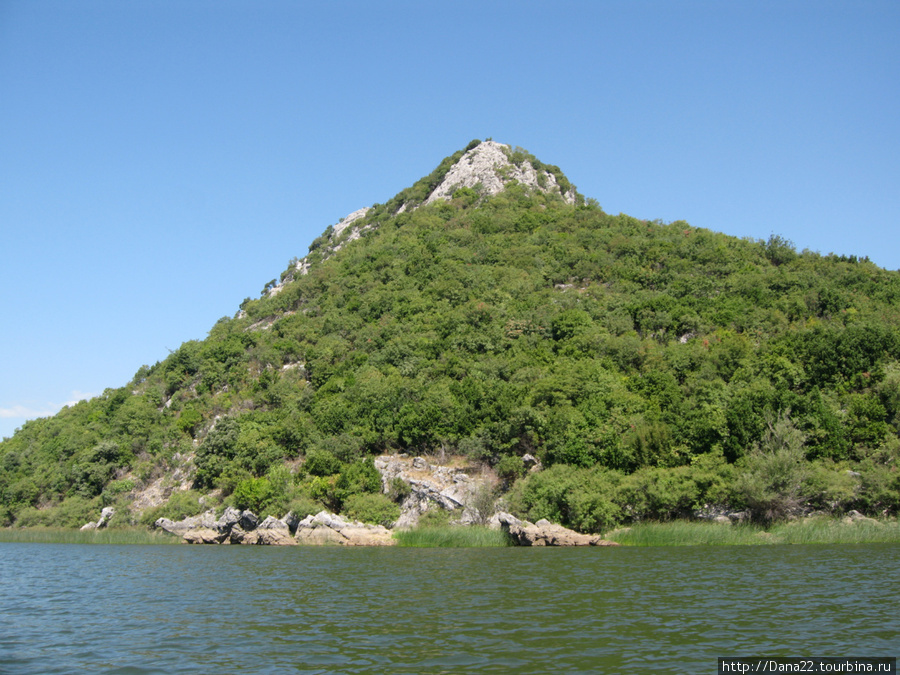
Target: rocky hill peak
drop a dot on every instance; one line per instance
(490, 166)
(487, 167)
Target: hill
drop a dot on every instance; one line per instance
(489, 311)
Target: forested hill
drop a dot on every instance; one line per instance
(653, 368)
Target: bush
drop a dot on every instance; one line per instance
(399, 489)
(253, 494)
(435, 517)
(372, 508)
(584, 499)
(72, 512)
(659, 494)
(771, 486)
(510, 468)
(481, 504)
(321, 463)
(304, 506)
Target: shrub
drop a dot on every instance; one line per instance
(321, 463)
(372, 508)
(253, 494)
(584, 499)
(72, 512)
(510, 468)
(481, 504)
(435, 517)
(399, 489)
(659, 494)
(304, 506)
(772, 483)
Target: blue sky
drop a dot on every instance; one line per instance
(162, 160)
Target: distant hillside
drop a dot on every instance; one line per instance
(490, 311)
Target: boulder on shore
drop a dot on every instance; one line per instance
(326, 528)
(545, 533)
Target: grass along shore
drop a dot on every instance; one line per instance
(450, 536)
(807, 531)
(59, 535)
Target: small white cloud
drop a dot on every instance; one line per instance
(22, 412)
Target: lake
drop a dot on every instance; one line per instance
(228, 609)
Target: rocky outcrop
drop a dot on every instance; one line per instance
(244, 528)
(488, 167)
(105, 515)
(205, 521)
(545, 533)
(324, 529)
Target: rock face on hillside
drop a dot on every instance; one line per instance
(433, 486)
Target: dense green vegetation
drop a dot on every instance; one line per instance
(653, 367)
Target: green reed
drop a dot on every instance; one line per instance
(452, 537)
(53, 535)
(807, 531)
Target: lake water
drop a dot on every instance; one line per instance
(189, 609)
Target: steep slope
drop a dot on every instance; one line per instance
(488, 312)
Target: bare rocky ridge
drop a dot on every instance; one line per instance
(487, 165)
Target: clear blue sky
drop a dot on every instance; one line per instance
(162, 160)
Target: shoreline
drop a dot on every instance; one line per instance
(823, 530)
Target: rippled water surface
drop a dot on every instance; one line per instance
(184, 609)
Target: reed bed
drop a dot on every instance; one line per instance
(451, 537)
(831, 531)
(53, 535)
(808, 531)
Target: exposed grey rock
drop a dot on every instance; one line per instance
(204, 535)
(329, 529)
(487, 167)
(105, 516)
(274, 532)
(248, 520)
(291, 520)
(228, 519)
(205, 520)
(239, 535)
(858, 518)
(545, 533)
(715, 513)
(532, 463)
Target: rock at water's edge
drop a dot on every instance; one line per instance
(545, 533)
